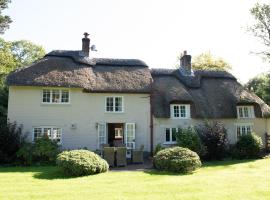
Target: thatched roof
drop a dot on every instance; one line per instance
(211, 94)
(73, 69)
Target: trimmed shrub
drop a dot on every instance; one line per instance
(248, 146)
(81, 162)
(158, 148)
(189, 138)
(11, 140)
(214, 137)
(177, 159)
(42, 151)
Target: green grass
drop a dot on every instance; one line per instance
(245, 180)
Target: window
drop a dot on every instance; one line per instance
(180, 111)
(114, 104)
(52, 133)
(243, 129)
(55, 96)
(170, 135)
(245, 111)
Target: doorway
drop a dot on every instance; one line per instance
(115, 134)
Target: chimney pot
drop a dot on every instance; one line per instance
(86, 44)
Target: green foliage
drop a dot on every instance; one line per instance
(177, 159)
(25, 52)
(11, 140)
(42, 151)
(4, 19)
(260, 85)
(206, 61)
(158, 148)
(189, 138)
(81, 162)
(25, 154)
(248, 146)
(261, 27)
(13, 55)
(214, 137)
(45, 150)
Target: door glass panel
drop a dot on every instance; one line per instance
(101, 134)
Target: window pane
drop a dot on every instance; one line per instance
(248, 129)
(183, 111)
(240, 112)
(37, 133)
(176, 111)
(65, 96)
(174, 134)
(56, 134)
(246, 112)
(243, 130)
(55, 96)
(238, 131)
(109, 104)
(167, 135)
(46, 96)
(118, 104)
(47, 132)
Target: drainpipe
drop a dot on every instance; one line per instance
(151, 120)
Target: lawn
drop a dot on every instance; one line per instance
(222, 180)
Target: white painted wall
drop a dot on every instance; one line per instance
(260, 126)
(85, 110)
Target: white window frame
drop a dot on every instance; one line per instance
(241, 125)
(250, 110)
(47, 127)
(187, 109)
(114, 97)
(104, 137)
(60, 93)
(171, 141)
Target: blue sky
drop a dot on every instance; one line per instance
(155, 31)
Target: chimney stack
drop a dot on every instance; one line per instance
(185, 64)
(86, 44)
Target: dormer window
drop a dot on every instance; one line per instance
(244, 112)
(180, 111)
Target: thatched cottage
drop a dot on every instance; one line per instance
(86, 102)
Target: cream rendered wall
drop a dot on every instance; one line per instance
(260, 127)
(85, 110)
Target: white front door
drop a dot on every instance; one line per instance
(102, 136)
(130, 137)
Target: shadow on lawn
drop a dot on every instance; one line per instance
(54, 173)
(213, 164)
(39, 172)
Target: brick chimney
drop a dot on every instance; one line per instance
(185, 64)
(86, 44)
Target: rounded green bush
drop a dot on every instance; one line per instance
(81, 162)
(248, 146)
(177, 159)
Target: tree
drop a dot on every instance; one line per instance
(206, 61)
(261, 26)
(4, 19)
(26, 52)
(17, 54)
(13, 55)
(260, 85)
